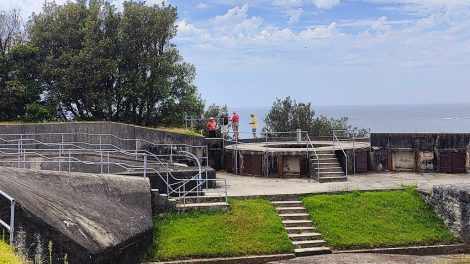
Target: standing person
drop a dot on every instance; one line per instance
(211, 126)
(254, 124)
(224, 126)
(235, 119)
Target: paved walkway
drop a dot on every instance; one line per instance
(378, 258)
(248, 186)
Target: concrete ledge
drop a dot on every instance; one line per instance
(235, 260)
(415, 250)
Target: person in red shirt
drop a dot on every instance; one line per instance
(235, 120)
(211, 126)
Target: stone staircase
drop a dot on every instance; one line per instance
(304, 236)
(328, 166)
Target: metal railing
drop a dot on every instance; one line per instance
(9, 227)
(351, 135)
(309, 143)
(143, 161)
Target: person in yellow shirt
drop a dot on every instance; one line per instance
(254, 124)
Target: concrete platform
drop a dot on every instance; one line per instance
(90, 218)
(253, 186)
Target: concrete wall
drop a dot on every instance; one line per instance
(394, 151)
(120, 130)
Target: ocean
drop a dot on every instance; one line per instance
(383, 118)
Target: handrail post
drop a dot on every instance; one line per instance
(145, 165)
(12, 221)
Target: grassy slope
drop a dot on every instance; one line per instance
(376, 219)
(251, 227)
(7, 256)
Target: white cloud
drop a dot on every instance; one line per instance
(326, 4)
(294, 15)
(202, 5)
(319, 32)
(236, 21)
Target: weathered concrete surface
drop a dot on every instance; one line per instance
(377, 258)
(255, 186)
(91, 218)
(452, 203)
(424, 144)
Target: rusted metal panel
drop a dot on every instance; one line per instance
(280, 166)
(445, 161)
(252, 164)
(361, 162)
(458, 162)
(228, 162)
(303, 163)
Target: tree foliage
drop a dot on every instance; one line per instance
(287, 115)
(95, 63)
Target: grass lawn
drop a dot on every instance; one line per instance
(250, 227)
(7, 256)
(376, 219)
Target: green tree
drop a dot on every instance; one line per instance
(18, 69)
(287, 115)
(100, 64)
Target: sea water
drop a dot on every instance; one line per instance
(383, 118)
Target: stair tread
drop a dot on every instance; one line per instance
(300, 228)
(202, 204)
(312, 249)
(286, 202)
(290, 208)
(308, 242)
(304, 235)
(295, 221)
(299, 214)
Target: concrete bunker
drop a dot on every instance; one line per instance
(319, 160)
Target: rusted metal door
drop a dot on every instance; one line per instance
(458, 162)
(252, 164)
(452, 162)
(361, 162)
(445, 161)
(229, 161)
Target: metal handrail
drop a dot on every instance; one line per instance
(9, 227)
(309, 143)
(136, 153)
(342, 149)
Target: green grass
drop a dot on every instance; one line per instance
(7, 256)
(178, 130)
(250, 227)
(376, 219)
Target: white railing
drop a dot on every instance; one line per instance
(143, 161)
(9, 227)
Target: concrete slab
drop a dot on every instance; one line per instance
(252, 186)
(91, 218)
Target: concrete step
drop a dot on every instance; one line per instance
(297, 223)
(279, 204)
(326, 164)
(323, 156)
(331, 169)
(300, 252)
(309, 243)
(338, 178)
(324, 160)
(299, 216)
(291, 210)
(300, 229)
(223, 206)
(305, 236)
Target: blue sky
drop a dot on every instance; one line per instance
(328, 52)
